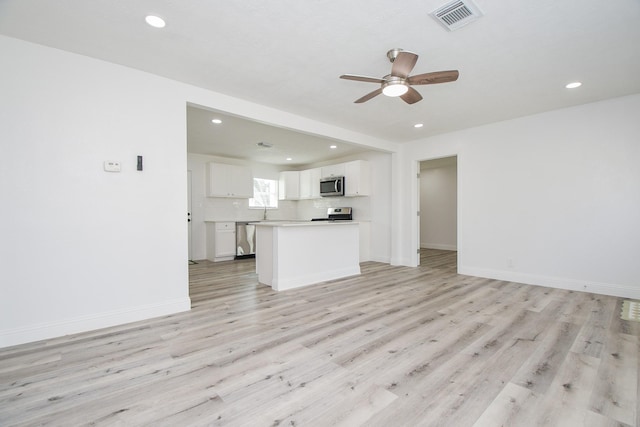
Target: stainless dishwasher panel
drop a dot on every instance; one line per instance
(245, 240)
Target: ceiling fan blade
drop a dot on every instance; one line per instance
(411, 97)
(361, 78)
(433, 78)
(403, 64)
(368, 96)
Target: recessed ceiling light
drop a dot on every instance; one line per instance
(216, 121)
(333, 147)
(573, 85)
(155, 21)
(418, 125)
(289, 159)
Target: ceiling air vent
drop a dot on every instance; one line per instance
(456, 14)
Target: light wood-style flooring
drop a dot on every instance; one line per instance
(395, 346)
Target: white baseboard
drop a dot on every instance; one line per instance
(438, 246)
(407, 262)
(59, 328)
(611, 289)
(385, 260)
(310, 279)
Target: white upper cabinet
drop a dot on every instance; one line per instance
(357, 177)
(333, 170)
(305, 185)
(289, 185)
(229, 181)
(310, 183)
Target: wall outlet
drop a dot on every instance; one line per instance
(111, 166)
(510, 262)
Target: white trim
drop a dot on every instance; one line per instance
(611, 289)
(312, 279)
(438, 246)
(79, 324)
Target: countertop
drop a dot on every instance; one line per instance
(303, 223)
(252, 220)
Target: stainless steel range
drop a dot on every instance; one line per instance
(337, 214)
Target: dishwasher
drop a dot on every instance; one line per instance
(245, 240)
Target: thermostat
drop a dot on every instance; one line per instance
(111, 166)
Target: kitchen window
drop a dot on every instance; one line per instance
(265, 194)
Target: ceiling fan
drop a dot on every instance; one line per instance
(399, 82)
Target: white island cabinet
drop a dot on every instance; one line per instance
(294, 254)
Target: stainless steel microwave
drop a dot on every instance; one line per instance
(332, 186)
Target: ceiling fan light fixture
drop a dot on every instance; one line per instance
(155, 21)
(395, 88)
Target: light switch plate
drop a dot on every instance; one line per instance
(111, 166)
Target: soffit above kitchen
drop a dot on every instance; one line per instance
(219, 134)
(513, 61)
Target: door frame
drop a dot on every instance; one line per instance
(418, 200)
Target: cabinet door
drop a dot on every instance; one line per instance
(217, 182)
(241, 182)
(333, 170)
(225, 239)
(310, 184)
(289, 185)
(357, 178)
(229, 181)
(225, 243)
(315, 183)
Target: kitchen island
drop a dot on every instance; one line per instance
(300, 253)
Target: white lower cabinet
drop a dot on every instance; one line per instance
(221, 241)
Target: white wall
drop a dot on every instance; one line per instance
(81, 248)
(550, 199)
(438, 205)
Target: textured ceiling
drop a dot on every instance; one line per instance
(288, 54)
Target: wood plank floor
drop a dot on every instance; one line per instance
(395, 346)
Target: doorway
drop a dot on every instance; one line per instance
(438, 206)
(189, 220)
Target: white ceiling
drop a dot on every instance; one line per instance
(288, 54)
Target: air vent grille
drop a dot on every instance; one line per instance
(456, 14)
